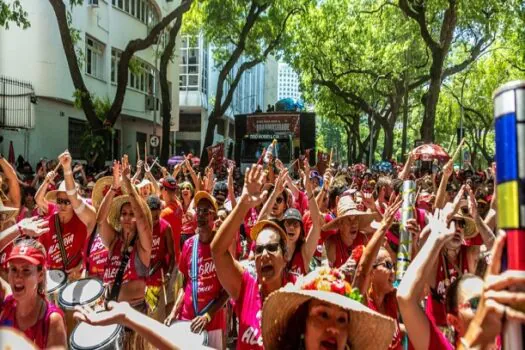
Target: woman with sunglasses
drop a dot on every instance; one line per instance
(248, 292)
(278, 200)
(27, 309)
(72, 219)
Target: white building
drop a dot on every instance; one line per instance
(198, 84)
(288, 83)
(35, 55)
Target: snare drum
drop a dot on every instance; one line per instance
(86, 292)
(55, 281)
(188, 339)
(87, 337)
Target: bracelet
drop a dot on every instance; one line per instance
(69, 172)
(71, 192)
(80, 208)
(208, 317)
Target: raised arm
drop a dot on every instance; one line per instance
(364, 267)
(151, 178)
(32, 227)
(231, 188)
(228, 269)
(85, 212)
(194, 177)
(310, 245)
(403, 175)
(144, 228)
(107, 233)
(279, 188)
(40, 196)
(416, 322)
(138, 171)
(442, 190)
(14, 194)
(484, 230)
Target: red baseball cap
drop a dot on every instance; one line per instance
(169, 183)
(30, 254)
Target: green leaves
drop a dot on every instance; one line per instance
(12, 11)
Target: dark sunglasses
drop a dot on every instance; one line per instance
(272, 248)
(471, 303)
(460, 223)
(63, 201)
(204, 211)
(387, 264)
(279, 200)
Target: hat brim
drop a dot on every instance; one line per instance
(14, 339)
(205, 195)
(97, 195)
(51, 196)
(365, 219)
(367, 329)
(31, 260)
(116, 206)
(261, 225)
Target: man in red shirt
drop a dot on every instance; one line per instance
(73, 218)
(202, 297)
(172, 213)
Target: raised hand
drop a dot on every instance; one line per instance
(279, 183)
(368, 200)
(391, 211)
(65, 160)
(327, 180)
(279, 164)
(78, 167)
(448, 168)
(115, 314)
(472, 203)
(126, 169)
(50, 177)
(34, 227)
(439, 224)
(253, 183)
(116, 174)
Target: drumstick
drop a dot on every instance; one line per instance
(163, 286)
(145, 151)
(458, 150)
(138, 152)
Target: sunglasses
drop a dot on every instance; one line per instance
(460, 223)
(63, 201)
(471, 303)
(279, 200)
(387, 264)
(204, 211)
(271, 248)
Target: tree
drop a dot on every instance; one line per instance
(133, 46)
(12, 11)
(243, 35)
(456, 33)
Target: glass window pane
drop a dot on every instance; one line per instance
(182, 80)
(193, 69)
(193, 80)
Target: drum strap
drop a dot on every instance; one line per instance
(194, 273)
(89, 245)
(60, 239)
(115, 290)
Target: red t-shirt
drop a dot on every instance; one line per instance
(158, 253)
(391, 310)
(342, 251)
(39, 331)
(296, 266)
(248, 309)
(173, 214)
(97, 257)
(74, 234)
(113, 264)
(208, 285)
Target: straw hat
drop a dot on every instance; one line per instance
(260, 225)
(367, 329)
(10, 212)
(470, 230)
(52, 195)
(143, 183)
(346, 207)
(102, 187)
(203, 195)
(116, 206)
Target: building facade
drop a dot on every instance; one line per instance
(288, 82)
(48, 123)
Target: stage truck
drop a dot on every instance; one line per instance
(294, 132)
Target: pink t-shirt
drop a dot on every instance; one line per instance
(437, 339)
(208, 283)
(249, 310)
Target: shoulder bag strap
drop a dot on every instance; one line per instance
(60, 239)
(90, 245)
(115, 290)
(194, 274)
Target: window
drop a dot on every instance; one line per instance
(142, 10)
(192, 64)
(115, 59)
(142, 80)
(94, 58)
(189, 122)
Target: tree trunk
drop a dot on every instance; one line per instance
(165, 90)
(432, 98)
(388, 148)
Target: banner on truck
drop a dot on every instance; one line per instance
(274, 123)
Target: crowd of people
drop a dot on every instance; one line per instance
(278, 258)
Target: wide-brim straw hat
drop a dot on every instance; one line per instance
(10, 212)
(116, 206)
(102, 186)
(52, 195)
(367, 329)
(261, 225)
(347, 208)
(470, 230)
(203, 195)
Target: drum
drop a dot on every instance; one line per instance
(11, 338)
(188, 339)
(87, 337)
(55, 281)
(86, 292)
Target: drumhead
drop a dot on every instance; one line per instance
(55, 279)
(11, 338)
(81, 292)
(87, 337)
(187, 337)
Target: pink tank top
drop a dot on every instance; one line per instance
(39, 331)
(113, 264)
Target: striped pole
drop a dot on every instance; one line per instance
(509, 117)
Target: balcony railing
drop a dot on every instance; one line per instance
(15, 103)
